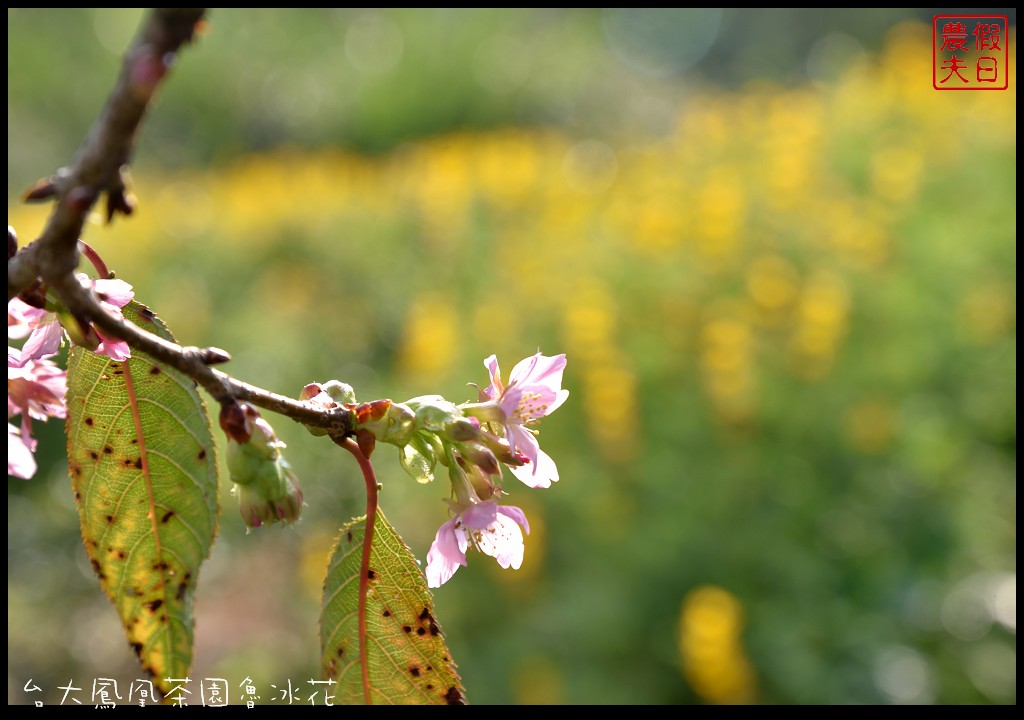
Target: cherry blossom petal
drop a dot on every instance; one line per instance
(494, 390)
(523, 441)
(113, 348)
(20, 461)
(539, 473)
(509, 402)
(560, 397)
(523, 370)
(44, 340)
(516, 514)
(480, 515)
(37, 389)
(113, 292)
(502, 540)
(26, 433)
(21, 318)
(445, 555)
(539, 370)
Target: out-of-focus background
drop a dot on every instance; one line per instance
(782, 267)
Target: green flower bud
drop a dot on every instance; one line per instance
(461, 429)
(268, 491)
(418, 459)
(273, 497)
(341, 392)
(387, 421)
(433, 412)
(318, 396)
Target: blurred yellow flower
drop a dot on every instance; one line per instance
(711, 649)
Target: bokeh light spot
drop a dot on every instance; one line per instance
(374, 43)
(590, 167)
(660, 41)
(904, 676)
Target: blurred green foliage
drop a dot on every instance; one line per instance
(788, 302)
(373, 79)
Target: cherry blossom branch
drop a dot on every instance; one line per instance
(99, 168)
(195, 362)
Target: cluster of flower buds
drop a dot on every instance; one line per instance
(268, 491)
(472, 442)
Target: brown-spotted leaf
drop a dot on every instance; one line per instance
(142, 464)
(407, 659)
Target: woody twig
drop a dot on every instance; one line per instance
(100, 169)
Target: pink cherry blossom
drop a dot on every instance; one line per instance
(19, 315)
(491, 528)
(534, 390)
(44, 332)
(113, 295)
(47, 333)
(35, 390)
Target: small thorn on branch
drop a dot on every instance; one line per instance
(119, 200)
(214, 356)
(44, 189)
(206, 355)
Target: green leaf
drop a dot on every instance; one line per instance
(143, 467)
(408, 661)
